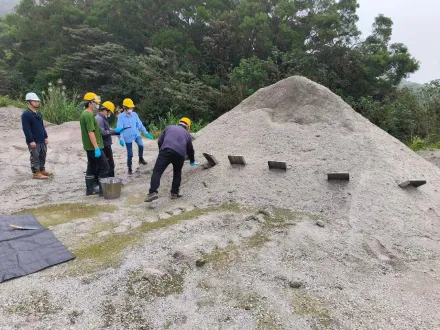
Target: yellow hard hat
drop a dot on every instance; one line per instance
(128, 103)
(90, 96)
(109, 106)
(186, 121)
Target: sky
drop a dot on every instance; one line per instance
(416, 24)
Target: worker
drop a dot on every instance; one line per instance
(36, 136)
(107, 109)
(93, 144)
(174, 144)
(130, 124)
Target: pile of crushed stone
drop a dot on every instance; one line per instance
(245, 248)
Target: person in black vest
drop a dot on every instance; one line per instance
(36, 136)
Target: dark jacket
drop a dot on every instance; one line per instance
(177, 138)
(33, 126)
(105, 129)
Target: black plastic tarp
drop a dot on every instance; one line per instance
(24, 252)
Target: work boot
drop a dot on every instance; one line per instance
(130, 172)
(151, 197)
(91, 188)
(46, 173)
(142, 161)
(175, 196)
(40, 176)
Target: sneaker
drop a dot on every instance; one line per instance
(130, 172)
(40, 176)
(175, 196)
(91, 193)
(142, 161)
(46, 173)
(151, 197)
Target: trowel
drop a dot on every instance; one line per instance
(23, 228)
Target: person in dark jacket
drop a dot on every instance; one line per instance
(174, 144)
(36, 136)
(107, 109)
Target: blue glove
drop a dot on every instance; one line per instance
(97, 153)
(149, 136)
(193, 164)
(118, 130)
(122, 143)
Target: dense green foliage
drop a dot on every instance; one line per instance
(201, 58)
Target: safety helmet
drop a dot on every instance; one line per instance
(128, 103)
(109, 106)
(92, 97)
(32, 97)
(186, 121)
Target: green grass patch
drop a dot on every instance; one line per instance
(305, 304)
(149, 286)
(38, 304)
(53, 215)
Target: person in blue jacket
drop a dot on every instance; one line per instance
(130, 124)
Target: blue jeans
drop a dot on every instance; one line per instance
(140, 144)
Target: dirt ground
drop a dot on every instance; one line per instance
(245, 248)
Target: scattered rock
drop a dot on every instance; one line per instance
(164, 216)
(320, 223)
(151, 206)
(177, 212)
(178, 255)
(200, 262)
(295, 284)
(120, 229)
(205, 184)
(136, 224)
(103, 233)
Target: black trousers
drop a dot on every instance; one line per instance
(38, 157)
(108, 152)
(165, 158)
(96, 167)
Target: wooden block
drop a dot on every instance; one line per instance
(273, 165)
(413, 183)
(237, 160)
(211, 160)
(338, 176)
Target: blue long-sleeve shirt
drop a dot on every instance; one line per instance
(135, 125)
(33, 127)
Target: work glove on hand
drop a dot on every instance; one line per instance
(97, 153)
(149, 136)
(118, 130)
(122, 143)
(193, 164)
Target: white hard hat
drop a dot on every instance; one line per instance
(32, 97)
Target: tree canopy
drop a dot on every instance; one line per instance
(198, 58)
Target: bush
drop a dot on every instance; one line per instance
(157, 127)
(6, 101)
(58, 107)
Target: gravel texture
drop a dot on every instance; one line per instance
(245, 248)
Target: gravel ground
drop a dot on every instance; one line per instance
(245, 248)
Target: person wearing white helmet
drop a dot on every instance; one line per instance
(36, 136)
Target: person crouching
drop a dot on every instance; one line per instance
(174, 144)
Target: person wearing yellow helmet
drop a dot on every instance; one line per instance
(174, 144)
(131, 124)
(93, 144)
(107, 109)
